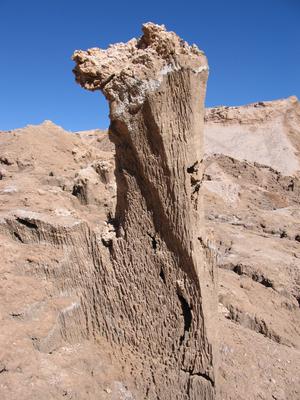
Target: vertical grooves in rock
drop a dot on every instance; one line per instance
(160, 298)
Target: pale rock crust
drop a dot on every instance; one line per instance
(266, 132)
(126, 72)
(160, 301)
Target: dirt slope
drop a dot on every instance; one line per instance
(57, 191)
(253, 207)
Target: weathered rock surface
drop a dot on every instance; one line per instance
(253, 210)
(264, 132)
(49, 242)
(252, 203)
(55, 241)
(162, 295)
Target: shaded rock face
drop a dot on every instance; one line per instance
(159, 300)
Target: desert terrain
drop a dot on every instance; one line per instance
(68, 299)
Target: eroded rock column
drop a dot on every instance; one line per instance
(157, 301)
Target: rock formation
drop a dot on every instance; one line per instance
(54, 245)
(158, 300)
(84, 264)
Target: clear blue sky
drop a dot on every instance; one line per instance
(253, 48)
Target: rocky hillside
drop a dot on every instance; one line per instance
(57, 199)
(252, 204)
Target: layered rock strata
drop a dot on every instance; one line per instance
(157, 297)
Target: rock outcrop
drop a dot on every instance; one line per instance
(54, 246)
(158, 300)
(252, 192)
(68, 292)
